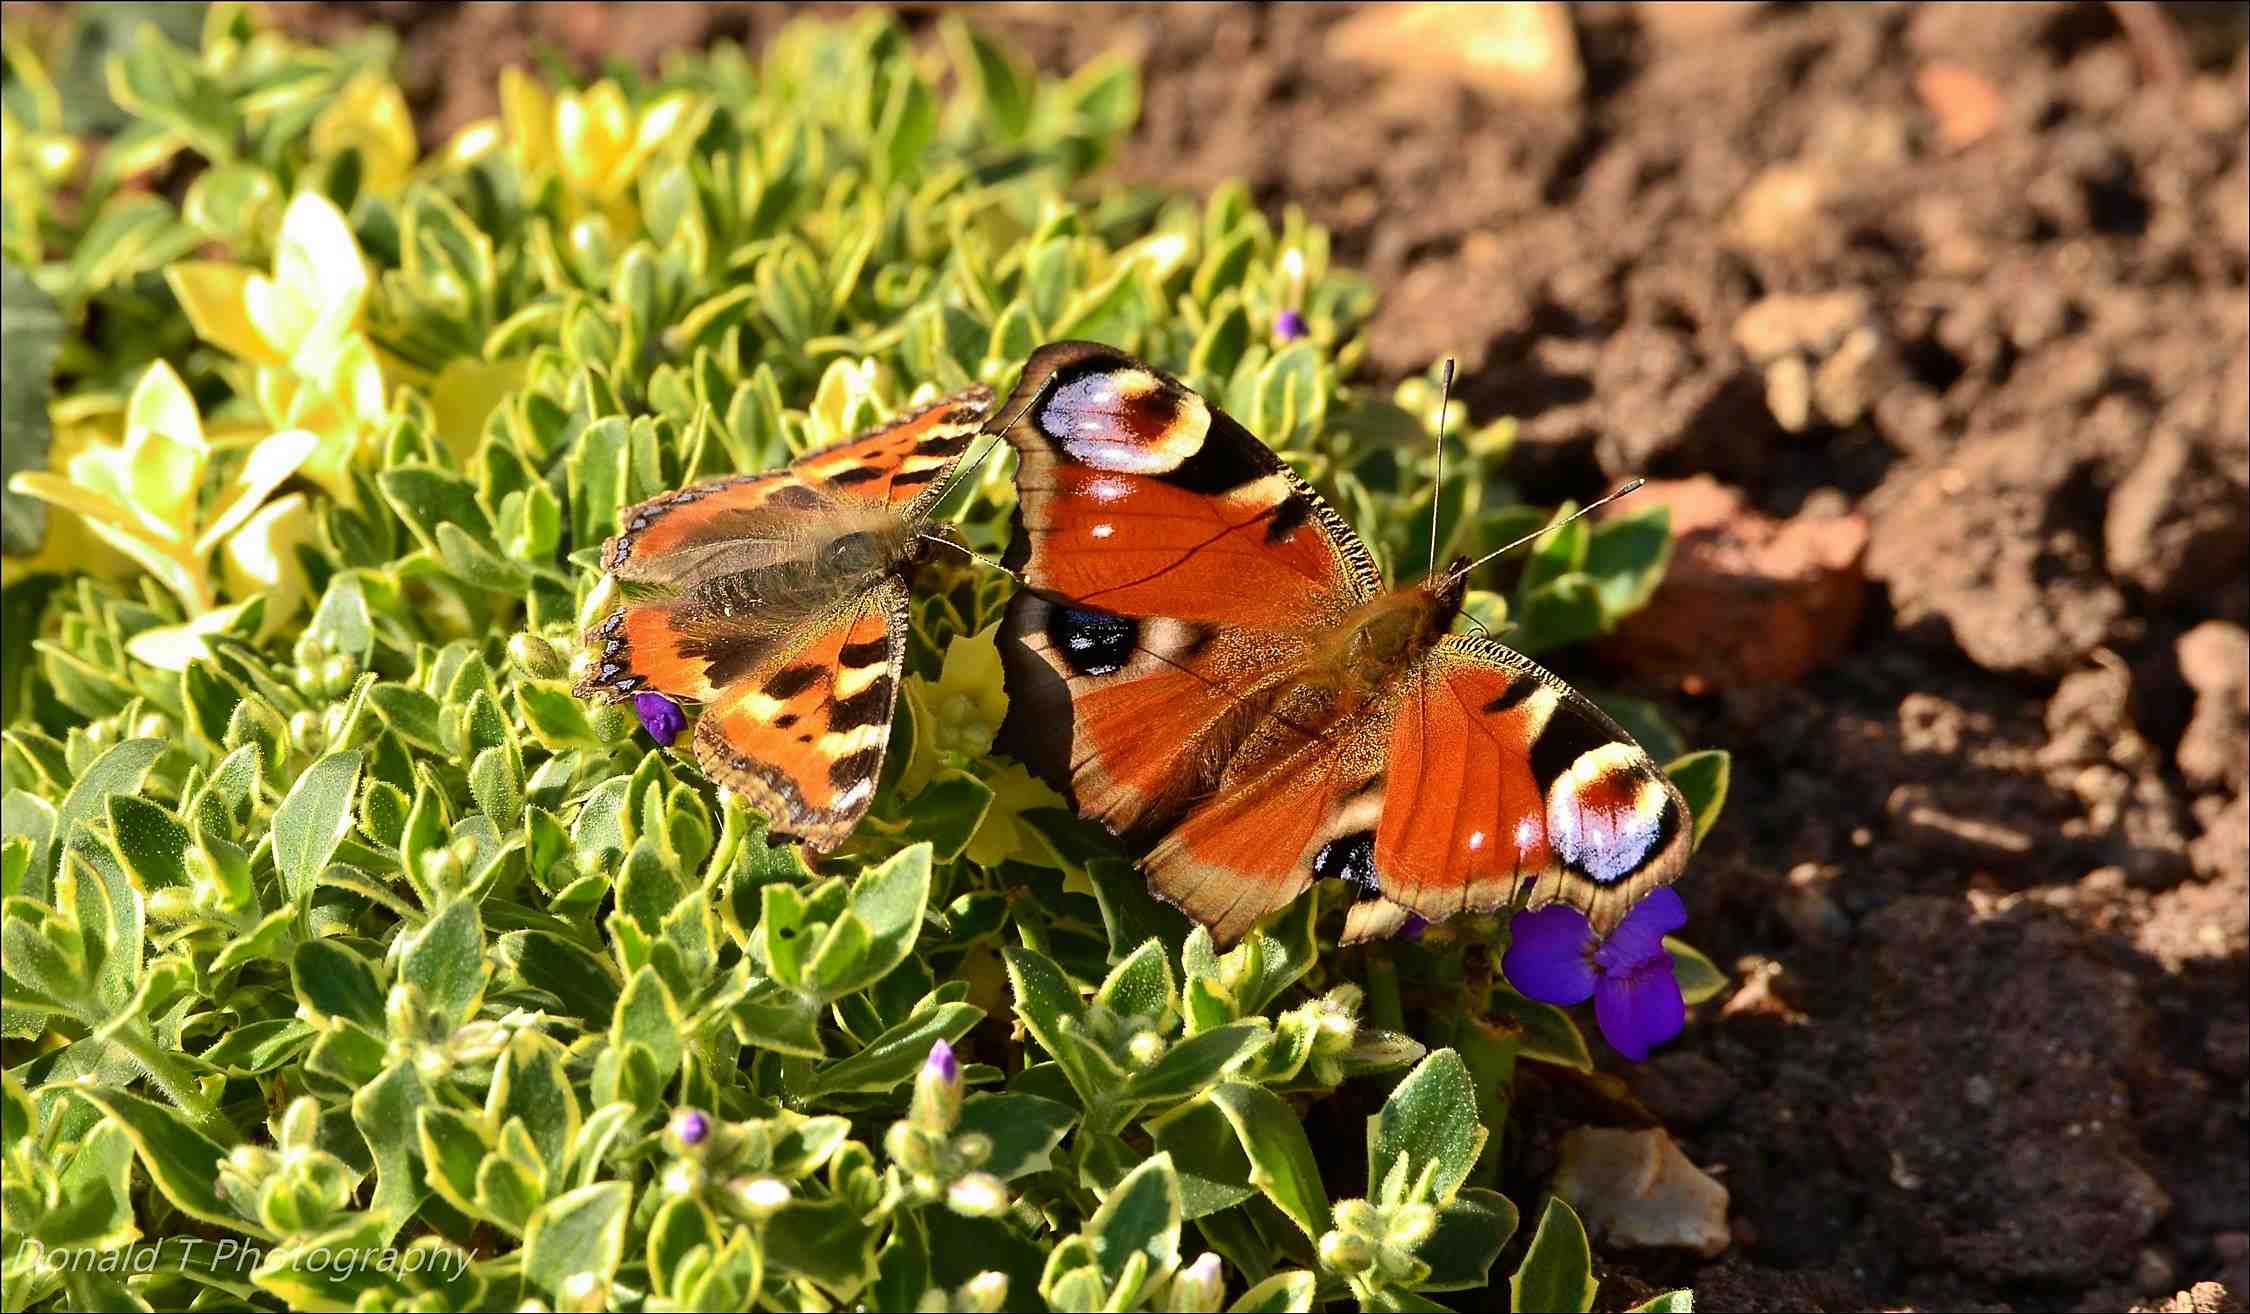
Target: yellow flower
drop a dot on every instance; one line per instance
(960, 712)
(298, 327)
(1004, 834)
(594, 138)
(142, 497)
(370, 115)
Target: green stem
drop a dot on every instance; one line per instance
(170, 1077)
(1384, 1008)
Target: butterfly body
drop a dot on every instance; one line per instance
(1206, 661)
(779, 603)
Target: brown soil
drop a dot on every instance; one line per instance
(1983, 876)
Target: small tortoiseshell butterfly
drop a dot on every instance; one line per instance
(778, 602)
(1206, 661)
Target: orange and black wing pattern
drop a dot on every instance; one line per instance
(1183, 667)
(774, 601)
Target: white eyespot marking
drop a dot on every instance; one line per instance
(1107, 490)
(1593, 822)
(1122, 420)
(1103, 530)
(1527, 834)
(1476, 840)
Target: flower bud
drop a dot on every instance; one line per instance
(937, 1091)
(978, 1195)
(172, 903)
(760, 1198)
(986, 1293)
(972, 1148)
(691, 1127)
(536, 657)
(1345, 1252)
(1145, 1048)
(1198, 1288)
(305, 732)
(1412, 1225)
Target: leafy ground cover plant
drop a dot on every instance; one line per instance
(352, 963)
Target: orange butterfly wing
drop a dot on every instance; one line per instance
(775, 600)
(1170, 669)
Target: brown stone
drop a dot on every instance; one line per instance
(1518, 51)
(1748, 599)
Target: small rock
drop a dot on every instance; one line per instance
(2177, 523)
(1634, 1189)
(1525, 50)
(1692, 20)
(1748, 599)
(1823, 353)
(1984, 545)
(1684, 1089)
(2214, 659)
(2223, 849)
(1963, 101)
(2202, 1298)
(1782, 206)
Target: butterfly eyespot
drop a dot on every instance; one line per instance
(1093, 642)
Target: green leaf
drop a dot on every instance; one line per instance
(1557, 1273)
(1626, 555)
(1471, 1230)
(1281, 1159)
(182, 1161)
(1141, 987)
(1283, 1293)
(1196, 1062)
(1700, 979)
(888, 903)
(1545, 1033)
(31, 332)
(118, 771)
(891, 1059)
(313, 820)
(1025, 1130)
(1671, 1302)
(1001, 90)
(1214, 1170)
(1431, 1119)
(1702, 779)
(1140, 1217)
(577, 1236)
(445, 961)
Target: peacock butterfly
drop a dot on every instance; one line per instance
(1205, 660)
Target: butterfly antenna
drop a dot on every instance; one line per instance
(1437, 488)
(1587, 510)
(976, 458)
(972, 554)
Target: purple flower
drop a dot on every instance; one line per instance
(936, 1107)
(1288, 326)
(1416, 923)
(691, 1126)
(1555, 957)
(660, 716)
(942, 1065)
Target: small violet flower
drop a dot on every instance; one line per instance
(936, 1106)
(661, 717)
(1555, 957)
(1288, 326)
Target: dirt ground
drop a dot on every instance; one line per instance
(1983, 871)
